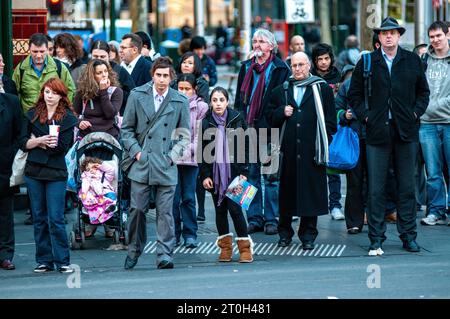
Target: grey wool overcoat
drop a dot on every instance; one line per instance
(164, 141)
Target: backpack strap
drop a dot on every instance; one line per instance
(58, 67)
(21, 71)
(424, 59)
(367, 75)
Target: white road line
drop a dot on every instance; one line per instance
(273, 249)
(340, 253)
(261, 247)
(329, 252)
(297, 246)
(150, 247)
(292, 247)
(206, 247)
(268, 247)
(325, 249)
(318, 250)
(336, 250)
(278, 250)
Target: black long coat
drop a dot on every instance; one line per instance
(405, 91)
(10, 127)
(303, 184)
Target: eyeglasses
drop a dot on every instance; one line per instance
(123, 48)
(298, 65)
(259, 41)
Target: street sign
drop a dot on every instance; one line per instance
(299, 11)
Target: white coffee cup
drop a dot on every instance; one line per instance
(54, 131)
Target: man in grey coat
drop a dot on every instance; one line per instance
(155, 131)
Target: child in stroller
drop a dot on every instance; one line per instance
(97, 193)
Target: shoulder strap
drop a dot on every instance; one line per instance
(424, 59)
(21, 76)
(367, 75)
(141, 137)
(58, 67)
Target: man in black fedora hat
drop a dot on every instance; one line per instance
(390, 102)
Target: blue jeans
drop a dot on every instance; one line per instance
(255, 212)
(435, 142)
(47, 206)
(184, 203)
(334, 189)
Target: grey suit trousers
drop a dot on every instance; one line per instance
(165, 228)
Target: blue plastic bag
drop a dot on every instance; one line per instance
(71, 163)
(344, 149)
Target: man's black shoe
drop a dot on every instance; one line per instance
(130, 262)
(284, 242)
(253, 228)
(271, 230)
(165, 264)
(308, 245)
(411, 246)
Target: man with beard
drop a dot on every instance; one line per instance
(258, 76)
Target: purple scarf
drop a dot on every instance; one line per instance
(221, 166)
(247, 86)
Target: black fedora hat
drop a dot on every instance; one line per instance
(389, 23)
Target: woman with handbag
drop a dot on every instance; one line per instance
(98, 100)
(47, 134)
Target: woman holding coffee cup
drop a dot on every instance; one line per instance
(47, 135)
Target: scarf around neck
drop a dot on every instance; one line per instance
(247, 87)
(221, 166)
(321, 152)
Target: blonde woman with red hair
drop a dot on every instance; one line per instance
(46, 172)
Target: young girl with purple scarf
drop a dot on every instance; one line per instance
(217, 172)
(184, 201)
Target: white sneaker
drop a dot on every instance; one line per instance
(336, 214)
(432, 220)
(376, 252)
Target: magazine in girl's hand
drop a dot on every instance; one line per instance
(241, 192)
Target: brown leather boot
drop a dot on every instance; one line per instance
(245, 245)
(225, 243)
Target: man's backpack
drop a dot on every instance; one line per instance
(58, 70)
(367, 75)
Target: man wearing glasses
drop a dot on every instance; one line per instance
(258, 77)
(132, 60)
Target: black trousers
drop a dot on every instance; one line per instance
(404, 158)
(227, 205)
(355, 201)
(6, 227)
(307, 232)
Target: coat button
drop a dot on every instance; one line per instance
(148, 122)
(298, 140)
(298, 125)
(387, 123)
(164, 138)
(298, 156)
(165, 124)
(149, 137)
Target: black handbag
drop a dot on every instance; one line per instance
(271, 168)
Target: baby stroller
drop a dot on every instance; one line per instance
(105, 147)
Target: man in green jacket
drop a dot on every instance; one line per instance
(36, 69)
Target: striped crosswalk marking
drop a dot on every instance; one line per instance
(259, 249)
